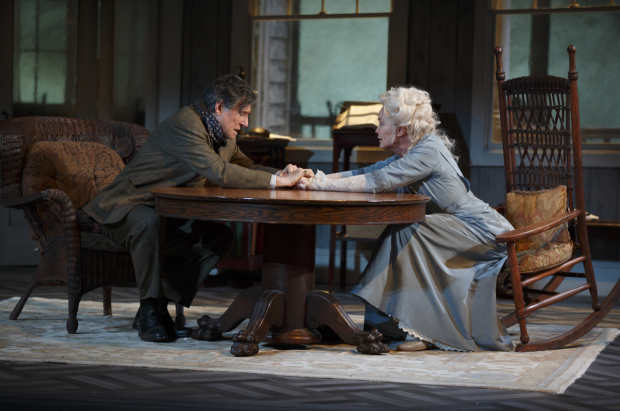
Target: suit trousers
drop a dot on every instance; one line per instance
(171, 257)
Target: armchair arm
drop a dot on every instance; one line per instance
(537, 228)
(52, 220)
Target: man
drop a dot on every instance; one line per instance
(193, 146)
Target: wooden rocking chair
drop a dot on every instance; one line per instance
(540, 127)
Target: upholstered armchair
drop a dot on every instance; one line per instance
(50, 168)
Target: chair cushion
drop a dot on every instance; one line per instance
(547, 249)
(539, 257)
(80, 169)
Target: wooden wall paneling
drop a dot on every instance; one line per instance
(152, 58)
(604, 192)
(170, 58)
(464, 67)
(492, 185)
(602, 200)
(200, 54)
(87, 65)
(397, 45)
(587, 188)
(7, 11)
(419, 43)
(241, 37)
(106, 60)
(224, 25)
(442, 63)
(186, 55)
(474, 181)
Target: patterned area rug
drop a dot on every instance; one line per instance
(40, 336)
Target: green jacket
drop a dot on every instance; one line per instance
(179, 153)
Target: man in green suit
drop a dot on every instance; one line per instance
(194, 146)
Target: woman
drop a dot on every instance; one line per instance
(435, 278)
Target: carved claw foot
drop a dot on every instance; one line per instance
(207, 334)
(371, 343)
(207, 331)
(204, 321)
(244, 345)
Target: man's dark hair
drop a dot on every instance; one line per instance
(230, 90)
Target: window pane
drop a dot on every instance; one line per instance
(536, 44)
(305, 70)
(308, 7)
(545, 4)
(375, 6)
(45, 52)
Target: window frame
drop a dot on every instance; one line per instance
(398, 27)
(482, 150)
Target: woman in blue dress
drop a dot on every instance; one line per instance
(435, 280)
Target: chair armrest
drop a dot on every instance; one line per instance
(537, 228)
(51, 217)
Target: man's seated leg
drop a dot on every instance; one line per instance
(140, 231)
(191, 264)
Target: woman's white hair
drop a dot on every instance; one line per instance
(411, 108)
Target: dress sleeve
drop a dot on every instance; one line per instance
(414, 166)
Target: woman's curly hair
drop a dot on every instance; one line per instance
(411, 108)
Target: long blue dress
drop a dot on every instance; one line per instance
(437, 277)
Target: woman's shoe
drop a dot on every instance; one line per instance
(415, 345)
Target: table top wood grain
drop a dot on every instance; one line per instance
(289, 206)
(287, 196)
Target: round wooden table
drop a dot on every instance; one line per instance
(286, 309)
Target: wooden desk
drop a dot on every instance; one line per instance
(255, 147)
(287, 310)
(347, 139)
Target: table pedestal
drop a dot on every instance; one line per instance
(286, 309)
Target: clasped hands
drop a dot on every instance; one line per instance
(291, 175)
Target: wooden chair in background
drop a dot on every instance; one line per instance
(542, 151)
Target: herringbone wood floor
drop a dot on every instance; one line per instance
(27, 386)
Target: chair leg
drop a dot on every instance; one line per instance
(517, 292)
(22, 301)
(107, 300)
(180, 317)
(332, 259)
(343, 264)
(74, 304)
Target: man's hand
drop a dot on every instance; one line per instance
(290, 179)
(303, 184)
(291, 168)
(288, 169)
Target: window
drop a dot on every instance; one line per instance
(309, 56)
(534, 37)
(45, 53)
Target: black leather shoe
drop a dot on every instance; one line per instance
(150, 327)
(173, 330)
(168, 322)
